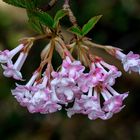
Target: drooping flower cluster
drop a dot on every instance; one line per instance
(94, 84)
(83, 83)
(89, 92)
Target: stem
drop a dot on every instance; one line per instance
(66, 51)
(49, 68)
(72, 18)
(51, 52)
(109, 49)
(105, 47)
(47, 58)
(28, 40)
(40, 37)
(92, 44)
(84, 53)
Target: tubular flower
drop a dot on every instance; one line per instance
(72, 69)
(131, 61)
(6, 55)
(13, 70)
(110, 72)
(23, 92)
(113, 100)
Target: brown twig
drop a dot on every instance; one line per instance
(72, 18)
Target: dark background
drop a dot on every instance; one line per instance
(120, 27)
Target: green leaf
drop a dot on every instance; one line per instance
(59, 15)
(44, 18)
(76, 30)
(90, 24)
(36, 26)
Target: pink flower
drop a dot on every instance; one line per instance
(65, 89)
(72, 69)
(131, 61)
(77, 108)
(87, 104)
(6, 55)
(23, 92)
(96, 76)
(92, 105)
(91, 79)
(110, 73)
(83, 82)
(43, 102)
(113, 100)
(43, 99)
(109, 78)
(13, 70)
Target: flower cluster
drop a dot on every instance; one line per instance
(72, 86)
(98, 82)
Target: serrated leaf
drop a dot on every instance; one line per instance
(44, 18)
(90, 24)
(59, 15)
(75, 30)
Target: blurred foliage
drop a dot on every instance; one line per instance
(119, 26)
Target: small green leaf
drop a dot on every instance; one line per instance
(76, 30)
(59, 15)
(90, 24)
(44, 18)
(35, 24)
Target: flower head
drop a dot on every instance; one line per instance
(23, 92)
(13, 70)
(43, 102)
(43, 99)
(113, 100)
(72, 69)
(6, 55)
(131, 61)
(65, 88)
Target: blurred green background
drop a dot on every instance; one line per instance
(120, 27)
